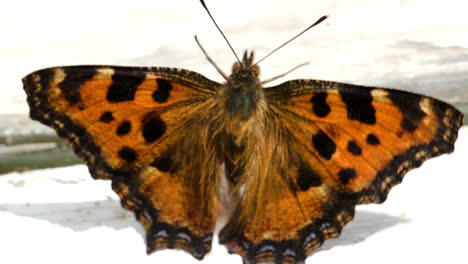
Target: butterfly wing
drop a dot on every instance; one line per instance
(130, 126)
(341, 145)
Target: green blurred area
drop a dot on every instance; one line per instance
(49, 157)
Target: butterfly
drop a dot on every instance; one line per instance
(285, 164)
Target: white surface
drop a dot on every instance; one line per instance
(419, 45)
(63, 216)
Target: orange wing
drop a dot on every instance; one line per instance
(126, 124)
(341, 145)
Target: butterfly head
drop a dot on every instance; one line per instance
(243, 88)
(246, 74)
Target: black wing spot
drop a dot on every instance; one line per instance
(128, 154)
(359, 104)
(372, 140)
(124, 128)
(408, 105)
(162, 93)
(124, 85)
(323, 144)
(346, 175)
(354, 148)
(106, 117)
(319, 104)
(153, 129)
(74, 79)
(306, 178)
(163, 163)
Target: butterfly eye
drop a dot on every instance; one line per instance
(236, 67)
(256, 70)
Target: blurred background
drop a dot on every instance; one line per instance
(419, 46)
(415, 45)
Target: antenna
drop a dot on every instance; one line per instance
(320, 20)
(211, 61)
(206, 8)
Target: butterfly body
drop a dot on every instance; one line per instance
(243, 89)
(297, 157)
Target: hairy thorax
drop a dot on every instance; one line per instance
(244, 97)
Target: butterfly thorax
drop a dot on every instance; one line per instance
(243, 89)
